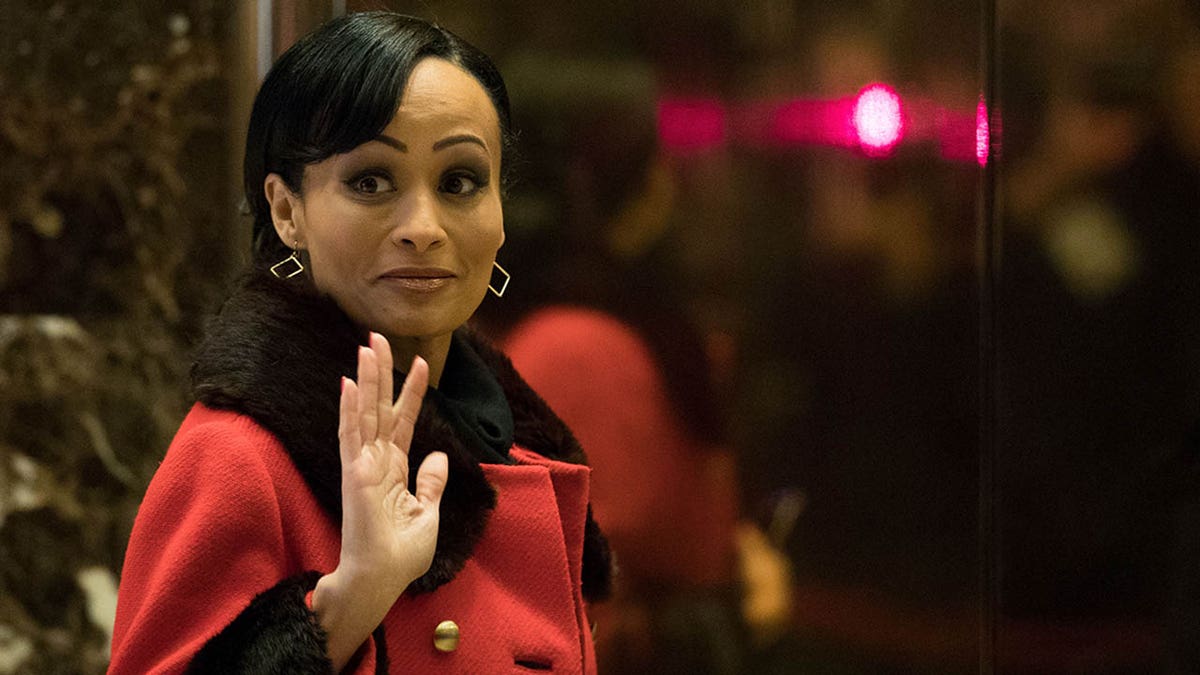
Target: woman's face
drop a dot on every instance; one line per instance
(402, 230)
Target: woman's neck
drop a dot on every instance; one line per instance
(433, 349)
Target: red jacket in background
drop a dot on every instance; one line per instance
(667, 501)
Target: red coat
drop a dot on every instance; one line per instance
(228, 516)
(243, 516)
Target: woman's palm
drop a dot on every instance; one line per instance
(388, 531)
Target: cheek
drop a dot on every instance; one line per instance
(491, 227)
(334, 252)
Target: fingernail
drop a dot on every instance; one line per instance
(343, 384)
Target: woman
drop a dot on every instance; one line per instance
(284, 531)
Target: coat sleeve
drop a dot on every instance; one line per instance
(206, 585)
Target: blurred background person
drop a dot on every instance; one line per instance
(600, 327)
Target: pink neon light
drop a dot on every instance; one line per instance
(982, 133)
(955, 132)
(691, 125)
(813, 122)
(875, 121)
(878, 120)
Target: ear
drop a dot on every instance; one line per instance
(286, 211)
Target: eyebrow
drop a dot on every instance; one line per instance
(460, 138)
(444, 143)
(388, 140)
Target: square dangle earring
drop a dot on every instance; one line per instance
(289, 266)
(499, 293)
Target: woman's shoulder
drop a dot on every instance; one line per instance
(225, 427)
(225, 446)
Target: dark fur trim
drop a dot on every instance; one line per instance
(382, 664)
(277, 633)
(598, 567)
(277, 352)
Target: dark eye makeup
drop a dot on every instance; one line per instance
(462, 180)
(370, 182)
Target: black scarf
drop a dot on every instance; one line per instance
(471, 399)
(277, 351)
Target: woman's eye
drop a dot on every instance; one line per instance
(370, 184)
(461, 184)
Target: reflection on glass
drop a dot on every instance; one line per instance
(1097, 379)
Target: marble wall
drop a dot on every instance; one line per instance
(114, 151)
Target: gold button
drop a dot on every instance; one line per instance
(445, 636)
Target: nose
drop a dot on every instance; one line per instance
(418, 223)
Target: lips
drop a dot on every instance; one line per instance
(420, 279)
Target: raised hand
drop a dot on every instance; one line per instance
(388, 532)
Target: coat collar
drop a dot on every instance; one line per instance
(277, 351)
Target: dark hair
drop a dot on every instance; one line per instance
(338, 88)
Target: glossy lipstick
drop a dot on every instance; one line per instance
(418, 279)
